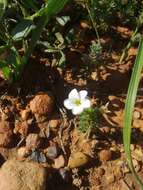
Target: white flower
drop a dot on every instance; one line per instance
(77, 101)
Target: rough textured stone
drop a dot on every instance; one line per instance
(6, 134)
(77, 159)
(42, 104)
(16, 175)
(105, 155)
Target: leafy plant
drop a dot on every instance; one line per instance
(129, 107)
(24, 31)
(89, 119)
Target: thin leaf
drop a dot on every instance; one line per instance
(22, 30)
(129, 107)
(63, 20)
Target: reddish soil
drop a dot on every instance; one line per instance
(106, 167)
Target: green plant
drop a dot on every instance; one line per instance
(103, 12)
(129, 107)
(24, 31)
(89, 119)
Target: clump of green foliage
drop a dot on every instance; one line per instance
(104, 12)
(22, 23)
(95, 52)
(89, 119)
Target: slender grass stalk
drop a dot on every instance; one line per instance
(129, 107)
(93, 22)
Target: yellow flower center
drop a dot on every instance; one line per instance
(77, 102)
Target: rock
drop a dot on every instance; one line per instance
(33, 141)
(138, 123)
(25, 114)
(16, 175)
(55, 123)
(59, 162)
(42, 104)
(38, 156)
(22, 152)
(105, 155)
(22, 128)
(52, 152)
(77, 159)
(136, 115)
(6, 134)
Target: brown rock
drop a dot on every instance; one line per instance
(59, 162)
(77, 159)
(22, 152)
(105, 155)
(42, 104)
(16, 175)
(33, 141)
(22, 128)
(25, 114)
(6, 134)
(136, 114)
(55, 123)
(138, 123)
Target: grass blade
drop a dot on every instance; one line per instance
(129, 107)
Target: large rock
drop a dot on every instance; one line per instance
(16, 175)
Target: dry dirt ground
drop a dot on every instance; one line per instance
(32, 123)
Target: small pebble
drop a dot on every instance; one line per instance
(138, 123)
(55, 123)
(59, 162)
(77, 159)
(111, 98)
(136, 114)
(52, 152)
(22, 152)
(105, 155)
(25, 114)
(38, 156)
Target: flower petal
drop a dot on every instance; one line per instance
(83, 94)
(68, 104)
(77, 110)
(86, 103)
(74, 94)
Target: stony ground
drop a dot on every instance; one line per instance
(40, 145)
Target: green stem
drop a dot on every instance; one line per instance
(93, 22)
